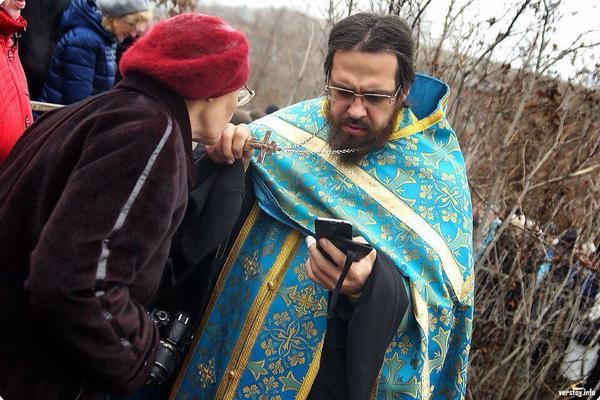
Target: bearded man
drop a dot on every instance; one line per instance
(377, 151)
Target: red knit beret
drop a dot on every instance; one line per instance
(198, 56)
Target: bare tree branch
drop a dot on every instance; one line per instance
(307, 53)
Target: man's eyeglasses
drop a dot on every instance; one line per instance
(245, 94)
(347, 96)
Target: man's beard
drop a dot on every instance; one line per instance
(361, 145)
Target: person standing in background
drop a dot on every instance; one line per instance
(84, 60)
(15, 110)
(38, 41)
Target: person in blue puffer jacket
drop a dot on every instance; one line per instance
(84, 60)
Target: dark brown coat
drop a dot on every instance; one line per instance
(89, 199)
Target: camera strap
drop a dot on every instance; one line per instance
(350, 256)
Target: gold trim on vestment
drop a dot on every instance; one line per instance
(380, 194)
(311, 375)
(422, 317)
(219, 285)
(256, 317)
(421, 124)
(375, 386)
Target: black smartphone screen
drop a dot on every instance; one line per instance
(333, 228)
(339, 232)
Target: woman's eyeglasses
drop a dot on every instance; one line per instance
(245, 94)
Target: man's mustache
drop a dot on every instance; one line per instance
(356, 122)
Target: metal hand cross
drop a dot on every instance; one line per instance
(263, 147)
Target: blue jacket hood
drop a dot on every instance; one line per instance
(84, 13)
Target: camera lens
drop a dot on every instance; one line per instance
(175, 338)
(166, 359)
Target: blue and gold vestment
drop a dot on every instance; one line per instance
(262, 335)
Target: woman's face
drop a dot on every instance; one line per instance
(208, 118)
(13, 7)
(122, 28)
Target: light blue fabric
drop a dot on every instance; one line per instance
(410, 199)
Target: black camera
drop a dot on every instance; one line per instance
(175, 336)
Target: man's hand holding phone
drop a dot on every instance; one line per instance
(326, 273)
(327, 258)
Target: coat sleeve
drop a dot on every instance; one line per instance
(358, 336)
(374, 323)
(79, 68)
(102, 251)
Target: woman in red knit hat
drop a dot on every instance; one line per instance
(89, 200)
(15, 110)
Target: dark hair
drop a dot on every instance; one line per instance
(271, 108)
(375, 33)
(241, 117)
(256, 114)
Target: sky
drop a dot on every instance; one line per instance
(579, 16)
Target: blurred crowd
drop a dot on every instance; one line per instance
(61, 52)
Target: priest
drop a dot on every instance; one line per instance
(376, 150)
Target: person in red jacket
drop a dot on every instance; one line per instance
(15, 110)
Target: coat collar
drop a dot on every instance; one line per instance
(176, 105)
(9, 26)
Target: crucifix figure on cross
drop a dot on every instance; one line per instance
(263, 147)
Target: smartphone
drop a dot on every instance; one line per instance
(333, 228)
(339, 232)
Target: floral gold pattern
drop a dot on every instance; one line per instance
(410, 199)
